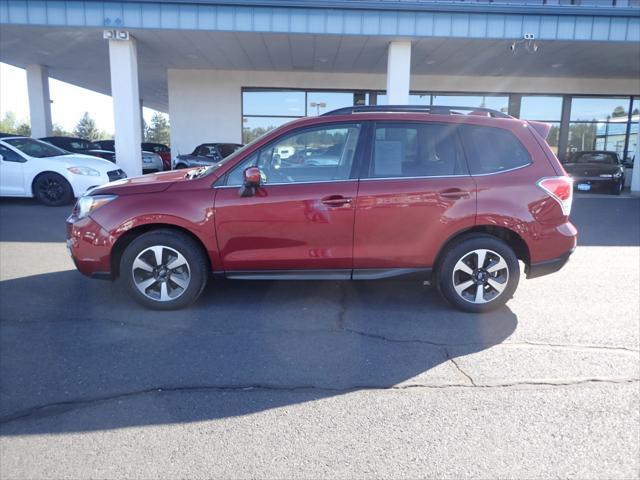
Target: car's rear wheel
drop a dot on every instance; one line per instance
(478, 273)
(52, 189)
(164, 270)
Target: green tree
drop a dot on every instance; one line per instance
(23, 129)
(59, 131)
(86, 128)
(8, 123)
(619, 112)
(158, 130)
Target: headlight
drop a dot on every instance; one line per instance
(606, 175)
(90, 203)
(84, 171)
(617, 175)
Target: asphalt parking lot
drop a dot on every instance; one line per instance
(320, 379)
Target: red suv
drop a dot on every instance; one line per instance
(449, 195)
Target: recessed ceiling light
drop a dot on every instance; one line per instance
(323, 60)
(430, 62)
(556, 65)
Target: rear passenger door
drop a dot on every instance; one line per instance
(414, 193)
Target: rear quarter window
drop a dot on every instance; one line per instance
(492, 150)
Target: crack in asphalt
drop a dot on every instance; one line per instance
(58, 408)
(457, 366)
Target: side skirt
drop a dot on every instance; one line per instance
(413, 274)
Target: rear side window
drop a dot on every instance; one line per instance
(492, 150)
(416, 150)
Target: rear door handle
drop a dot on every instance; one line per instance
(336, 201)
(454, 193)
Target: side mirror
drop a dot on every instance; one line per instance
(251, 181)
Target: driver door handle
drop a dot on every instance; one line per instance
(336, 201)
(454, 193)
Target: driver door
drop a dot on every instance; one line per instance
(11, 173)
(302, 215)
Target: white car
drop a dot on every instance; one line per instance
(151, 162)
(32, 168)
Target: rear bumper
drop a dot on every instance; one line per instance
(597, 182)
(548, 266)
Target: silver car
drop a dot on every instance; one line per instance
(151, 162)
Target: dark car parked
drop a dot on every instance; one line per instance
(205, 155)
(80, 145)
(160, 149)
(596, 169)
(424, 192)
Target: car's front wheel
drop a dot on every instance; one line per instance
(164, 269)
(617, 188)
(478, 273)
(52, 189)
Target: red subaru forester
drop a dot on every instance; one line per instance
(454, 196)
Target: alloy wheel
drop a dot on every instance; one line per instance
(480, 276)
(51, 189)
(161, 273)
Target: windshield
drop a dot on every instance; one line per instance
(35, 148)
(595, 157)
(84, 145)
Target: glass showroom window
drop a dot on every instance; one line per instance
(263, 110)
(634, 132)
(546, 109)
(322, 102)
(599, 124)
(495, 102)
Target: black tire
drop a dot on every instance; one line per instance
(196, 271)
(180, 166)
(617, 188)
(52, 189)
(447, 274)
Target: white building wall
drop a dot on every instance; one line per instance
(206, 105)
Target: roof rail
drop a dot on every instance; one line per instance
(433, 109)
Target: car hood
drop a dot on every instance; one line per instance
(82, 160)
(150, 183)
(590, 169)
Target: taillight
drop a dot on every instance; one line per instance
(560, 189)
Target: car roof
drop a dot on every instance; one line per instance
(5, 136)
(66, 138)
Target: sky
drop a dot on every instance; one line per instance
(69, 102)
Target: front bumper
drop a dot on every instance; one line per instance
(90, 246)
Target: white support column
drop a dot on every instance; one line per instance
(398, 73)
(635, 175)
(123, 62)
(39, 100)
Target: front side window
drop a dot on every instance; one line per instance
(416, 150)
(492, 150)
(35, 148)
(9, 155)
(318, 154)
